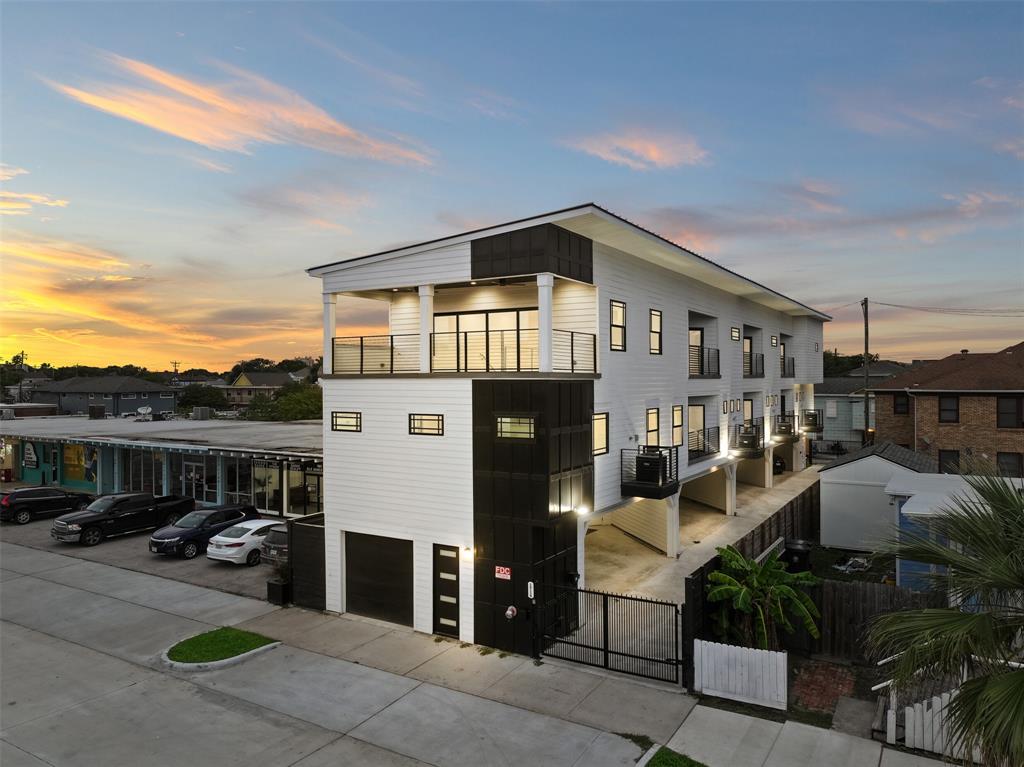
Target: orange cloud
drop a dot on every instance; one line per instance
(232, 116)
(60, 253)
(21, 203)
(641, 149)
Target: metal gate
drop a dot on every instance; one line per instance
(628, 634)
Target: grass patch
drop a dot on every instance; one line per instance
(485, 650)
(666, 757)
(640, 739)
(218, 644)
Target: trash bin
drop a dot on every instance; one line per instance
(797, 556)
(778, 465)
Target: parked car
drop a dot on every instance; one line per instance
(28, 503)
(274, 550)
(240, 544)
(189, 536)
(119, 514)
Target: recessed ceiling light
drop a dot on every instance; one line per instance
(473, 282)
(394, 290)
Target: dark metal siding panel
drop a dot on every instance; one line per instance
(535, 249)
(379, 577)
(306, 557)
(523, 498)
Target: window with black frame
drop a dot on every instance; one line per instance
(617, 326)
(1010, 412)
(949, 409)
(655, 332)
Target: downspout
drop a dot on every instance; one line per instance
(911, 396)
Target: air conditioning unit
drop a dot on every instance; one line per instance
(200, 413)
(651, 467)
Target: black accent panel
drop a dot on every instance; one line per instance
(306, 557)
(536, 249)
(525, 493)
(378, 577)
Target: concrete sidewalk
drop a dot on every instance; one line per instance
(726, 739)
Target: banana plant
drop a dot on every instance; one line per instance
(760, 597)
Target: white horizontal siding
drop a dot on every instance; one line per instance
(450, 263)
(635, 380)
(384, 481)
(644, 519)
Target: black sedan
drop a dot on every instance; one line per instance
(189, 535)
(28, 503)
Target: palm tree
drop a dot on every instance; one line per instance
(762, 594)
(977, 548)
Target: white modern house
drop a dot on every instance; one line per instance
(536, 375)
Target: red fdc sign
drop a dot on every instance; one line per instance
(504, 573)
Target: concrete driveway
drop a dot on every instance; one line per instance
(82, 684)
(131, 552)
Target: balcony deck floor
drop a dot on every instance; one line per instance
(620, 563)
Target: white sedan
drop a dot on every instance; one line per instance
(240, 544)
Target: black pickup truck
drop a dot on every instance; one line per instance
(119, 514)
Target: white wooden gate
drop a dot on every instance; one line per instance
(925, 727)
(740, 673)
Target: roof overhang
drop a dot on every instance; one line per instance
(603, 226)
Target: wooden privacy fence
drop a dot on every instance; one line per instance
(798, 519)
(847, 608)
(740, 673)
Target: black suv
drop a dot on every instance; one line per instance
(25, 504)
(189, 535)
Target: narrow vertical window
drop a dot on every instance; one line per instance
(617, 330)
(653, 427)
(655, 332)
(677, 425)
(600, 433)
(900, 404)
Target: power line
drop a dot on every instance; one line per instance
(960, 311)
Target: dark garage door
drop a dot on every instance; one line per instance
(378, 577)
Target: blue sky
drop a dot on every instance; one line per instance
(171, 169)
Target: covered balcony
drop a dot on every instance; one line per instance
(649, 471)
(787, 367)
(746, 439)
(530, 325)
(785, 428)
(703, 443)
(704, 362)
(811, 421)
(753, 365)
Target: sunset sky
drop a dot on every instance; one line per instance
(169, 170)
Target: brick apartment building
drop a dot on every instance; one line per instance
(965, 406)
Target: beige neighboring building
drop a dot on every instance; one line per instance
(242, 390)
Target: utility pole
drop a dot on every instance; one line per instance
(867, 362)
(175, 363)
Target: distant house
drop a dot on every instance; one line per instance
(962, 406)
(856, 513)
(880, 369)
(841, 399)
(247, 385)
(118, 394)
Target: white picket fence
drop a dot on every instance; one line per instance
(740, 673)
(925, 727)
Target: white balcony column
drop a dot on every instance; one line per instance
(545, 283)
(426, 325)
(672, 526)
(330, 319)
(730, 489)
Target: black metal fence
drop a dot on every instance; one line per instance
(753, 365)
(573, 352)
(787, 367)
(704, 362)
(703, 443)
(811, 420)
(649, 471)
(628, 634)
(748, 435)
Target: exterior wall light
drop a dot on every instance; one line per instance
(467, 553)
(582, 511)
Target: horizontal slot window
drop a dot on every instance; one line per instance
(346, 420)
(431, 425)
(515, 427)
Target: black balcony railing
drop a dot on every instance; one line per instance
(573, 352)
(784, 427)
(649, 471)
(703, 443)
(704, 362)
(485, 351)
(385, 355)
(787, 367)
(811, 421)
(753, 365)
(747, 438)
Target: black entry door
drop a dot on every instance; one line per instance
(378, 577)
(446, 590)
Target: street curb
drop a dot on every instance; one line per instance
(215, 664)
(649, 755)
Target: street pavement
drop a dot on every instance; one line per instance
(81, 683)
